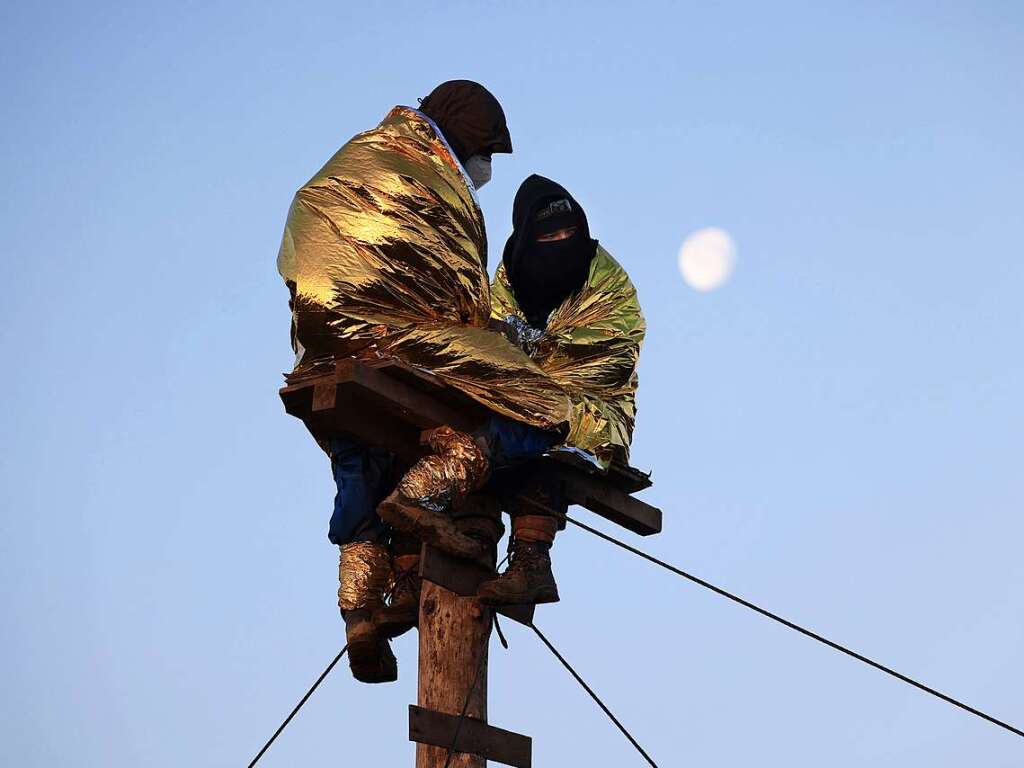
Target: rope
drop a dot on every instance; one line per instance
(298, 706)
(593, 695)
(798, 628)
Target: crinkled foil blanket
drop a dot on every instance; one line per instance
(385, 251)
(590, 347)
(364, 575)
(440, 481)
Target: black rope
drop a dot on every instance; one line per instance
(798, 628)
(593, 695)
(501, 635)
(298, 706)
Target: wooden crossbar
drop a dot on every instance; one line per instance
(474, 736)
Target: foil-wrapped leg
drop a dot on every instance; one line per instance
(441, 481)
(364, 575)
(433, 487)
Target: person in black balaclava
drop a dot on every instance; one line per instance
(547, 258)
(472, 122)
(564, 300)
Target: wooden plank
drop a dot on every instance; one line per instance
(611, 503)
(460, 576)
(419, 408)
(590, 492)
(425, 381)
(463, 577)
(475, 736)
(353, 415)
(625, 478)
(325, 395)
(433, 385)
(297, 399)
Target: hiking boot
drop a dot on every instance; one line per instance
(369, 655)
(435, 486)
(432, 526)
(403, 611)
(527, 580)
(364, 576)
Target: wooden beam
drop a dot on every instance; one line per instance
(621, 476)
(610, 503)
(325, 395)
(463, 577)
(475, 736)
(329, 408)
(589, 492)
(418, 408)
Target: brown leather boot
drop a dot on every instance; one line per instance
(528, 578)
(369, 654)
(402, 613)
(436, 484)
(432, 527)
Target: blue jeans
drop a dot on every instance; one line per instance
(510, 441)
(365, 476)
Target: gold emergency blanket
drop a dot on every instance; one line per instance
(364, 575)
(455, 469)
(590, 346)
(384, 250)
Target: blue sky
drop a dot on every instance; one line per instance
(835, 433)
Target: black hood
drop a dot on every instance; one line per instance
(544, 274)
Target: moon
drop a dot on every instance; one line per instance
(706, 258)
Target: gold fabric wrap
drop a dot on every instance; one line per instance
(590, 348)
(364, 575)
(384, 250)
(442, 480)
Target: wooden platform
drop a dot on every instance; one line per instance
(388, 404)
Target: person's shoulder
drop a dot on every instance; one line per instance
(603, 255)
(610, 279)
(605, 266)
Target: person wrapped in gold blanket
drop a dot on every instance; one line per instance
(384, 253)
(573, 308)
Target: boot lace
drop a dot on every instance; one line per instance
(524, 556)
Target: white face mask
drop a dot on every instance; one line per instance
(478, 168)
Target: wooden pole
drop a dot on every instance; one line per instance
(453, 645)
(454, 633)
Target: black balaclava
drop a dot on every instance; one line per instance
(470, 118)
(544, 274)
